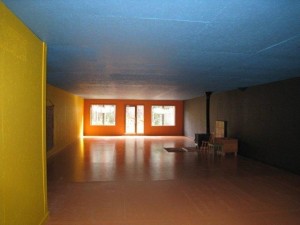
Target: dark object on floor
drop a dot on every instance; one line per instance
(201, 137)
(182, 149)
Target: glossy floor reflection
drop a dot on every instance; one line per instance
(134, 181)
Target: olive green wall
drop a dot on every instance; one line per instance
(264, 118)
(194, 116)
(23, 188)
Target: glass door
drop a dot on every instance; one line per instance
(134, 119)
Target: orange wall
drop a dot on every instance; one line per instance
(119, 129)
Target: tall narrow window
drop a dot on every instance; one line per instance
(163, 115)
(134, 119)
(103, 115)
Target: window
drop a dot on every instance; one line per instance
(163, 115)
(221, 129)
(103, 115)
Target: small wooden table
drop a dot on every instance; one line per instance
(228, 145)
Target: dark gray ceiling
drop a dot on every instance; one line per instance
(156, 49)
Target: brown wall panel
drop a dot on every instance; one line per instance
(264, 118)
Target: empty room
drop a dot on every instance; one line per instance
(149, 112)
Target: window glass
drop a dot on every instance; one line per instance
(163, 115)
(103, 115)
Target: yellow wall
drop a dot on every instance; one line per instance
(68, 113)
(23, 188)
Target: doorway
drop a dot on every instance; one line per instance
(134, 119)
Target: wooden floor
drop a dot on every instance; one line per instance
(134, 181)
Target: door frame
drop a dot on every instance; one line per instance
(136, 119)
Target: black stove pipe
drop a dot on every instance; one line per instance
(204, 136)
(208, 94)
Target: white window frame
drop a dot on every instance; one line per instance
(100, 113)
(162, 113)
